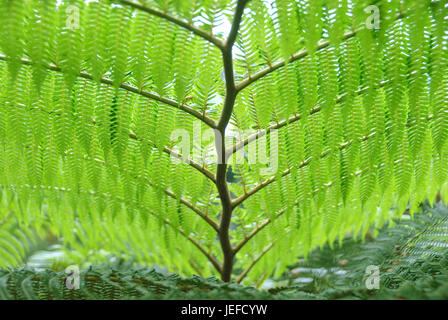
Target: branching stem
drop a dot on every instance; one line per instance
(221, 170)
(252, 264)
(236, 202)
(294, 57)
(184, 24)
(212, 260)
(148, 94)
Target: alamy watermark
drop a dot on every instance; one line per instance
(373, 21)
(72, 281)
(72, 21)
(205, 145)
(372, 277)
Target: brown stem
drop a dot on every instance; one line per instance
(196, 243)
(207, 173)
(294, 118)
(148, 94)
(224, 223)
(246, 271)
(168, 192)
(256, 230)
(221, 170)
(304, 163)
(294, 57)
(267, 221)
(184, 24)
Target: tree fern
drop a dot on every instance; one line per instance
(355, 119)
